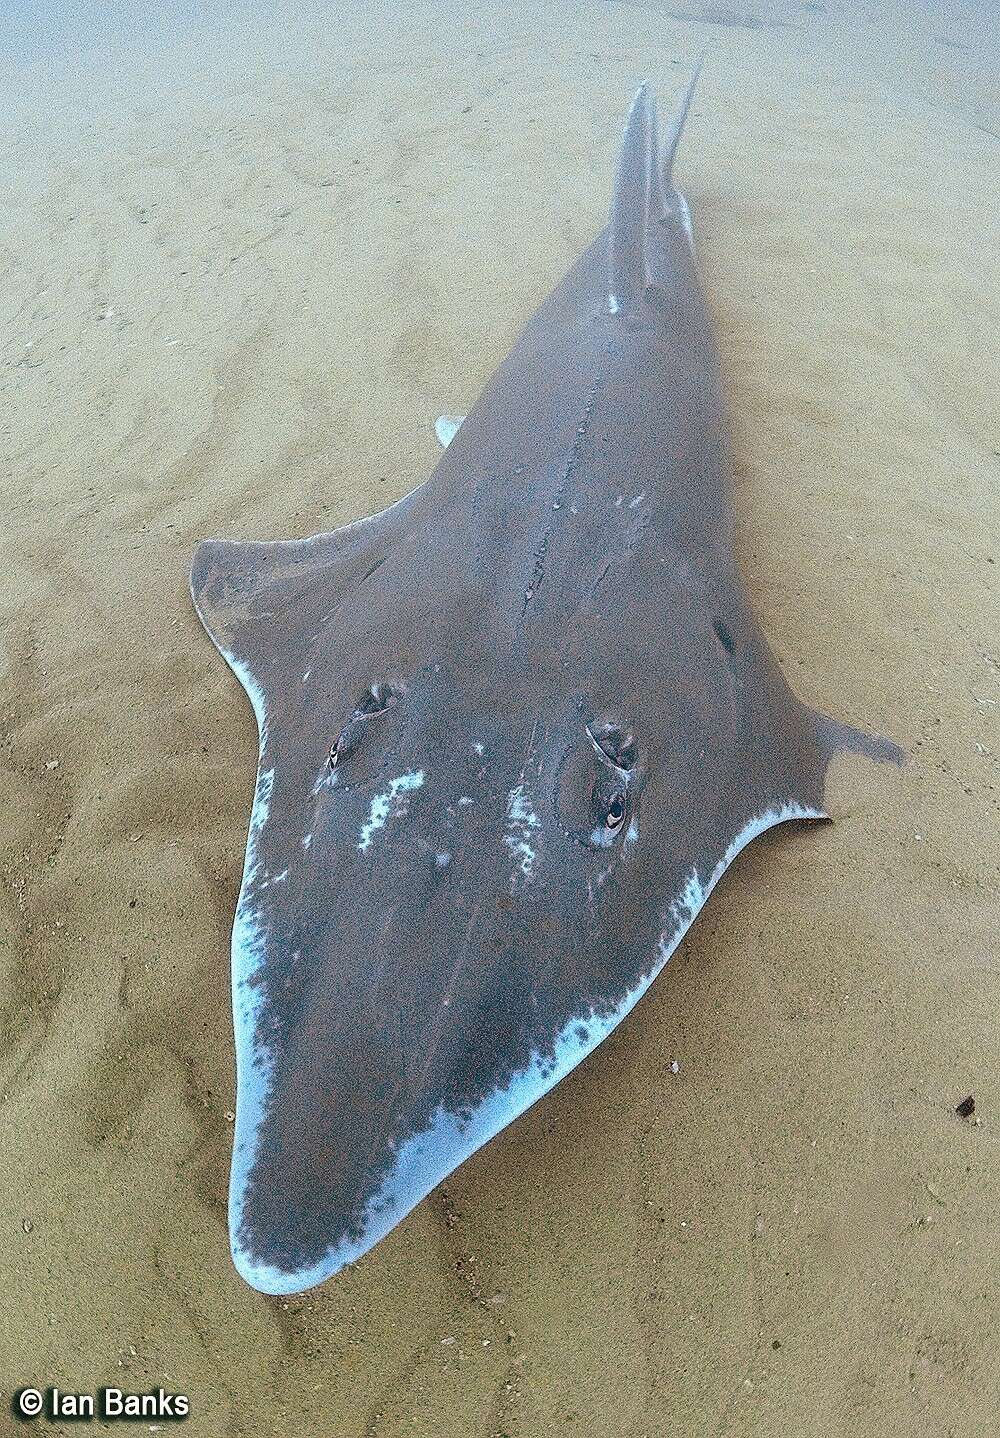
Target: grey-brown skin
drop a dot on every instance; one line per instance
(553, 635)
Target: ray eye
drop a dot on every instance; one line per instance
(373, 702)
(614, 815)
(338, 749)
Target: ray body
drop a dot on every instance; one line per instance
(512, 731)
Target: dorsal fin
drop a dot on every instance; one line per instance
(630, 205)
(643, 190)
(666, 172)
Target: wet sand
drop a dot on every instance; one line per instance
(245, 268)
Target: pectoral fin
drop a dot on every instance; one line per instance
(446, 426)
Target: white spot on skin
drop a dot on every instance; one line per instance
(598, 883)
(634, 503)
(478, 749)
(465, 800)
(442, 860)
(390, 804)
(685, 210)
(306, 840)
(521, 821)
(306, 675)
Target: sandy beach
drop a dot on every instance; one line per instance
(245, 264)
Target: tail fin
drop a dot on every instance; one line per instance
(667, 191)
(643, 189)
